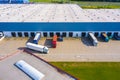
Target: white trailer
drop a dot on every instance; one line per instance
(29, 70)
(36, 38)
(93, 39)
(37, 47)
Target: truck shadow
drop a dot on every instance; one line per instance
(48, 43)
(86, 41)
(30, 40)
(100, 39)
(30, 50)
(21, 48)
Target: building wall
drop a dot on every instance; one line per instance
(76, 29)
(60, 26)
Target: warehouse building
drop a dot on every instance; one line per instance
(68, 20)
(13, 1)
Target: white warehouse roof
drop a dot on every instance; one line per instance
(55, 13)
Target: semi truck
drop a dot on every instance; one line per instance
(29, 70)
(117, 36)
(93, 39)
(54, 41)
(37, 47)
(105, 37)
(36, 38)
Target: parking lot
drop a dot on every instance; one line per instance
(71, 49)
(11, 72)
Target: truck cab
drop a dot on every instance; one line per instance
(54, 44)
(45, 50)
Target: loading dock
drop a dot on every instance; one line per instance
(96, 34)
(26, 34)
(109, 33)
(70, 34)
(45, 34)
(51, 34)
(20, 34)
(58, 34)
(32, 34)
(83, 34)
(13, 34)
(64, 34)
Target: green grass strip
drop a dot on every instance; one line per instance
(84, 4)
(91, 70)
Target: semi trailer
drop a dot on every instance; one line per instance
(93, 39)
(105, 37)
(37, 47)
(54, 41)
(29, 70)
(36, 38)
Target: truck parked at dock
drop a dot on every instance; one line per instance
(36, 38)
(93, 39)
(54, 41)
(105, 37)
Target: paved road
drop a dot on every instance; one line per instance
(71, 49)
(87, 57)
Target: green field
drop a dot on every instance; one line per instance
(85, 4)
(98, 5)
(91, 70)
